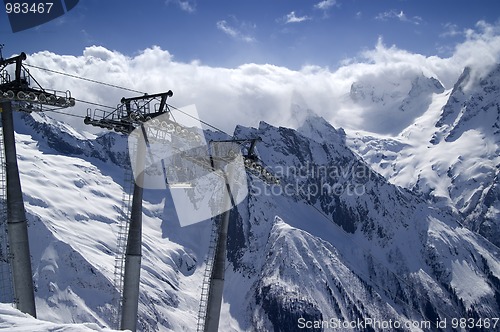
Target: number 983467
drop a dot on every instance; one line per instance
(28, 8)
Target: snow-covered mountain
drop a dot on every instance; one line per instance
(335, 242)
(450, 153)
(394, 103)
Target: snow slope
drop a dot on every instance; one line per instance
(15, 321)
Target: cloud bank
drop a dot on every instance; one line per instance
(226, 97)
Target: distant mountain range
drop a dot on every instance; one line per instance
(451, 153)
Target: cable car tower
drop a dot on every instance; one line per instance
(16, 94)
(222, 152)
(128, 116)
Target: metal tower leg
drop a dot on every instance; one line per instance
(6, 285)
(133, 253)
(217, 280)
(121, 245)
(16, 221)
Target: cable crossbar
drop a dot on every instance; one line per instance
(122, 88)
(85, 79)
(95, 104)
(64, 113)
(201, 121)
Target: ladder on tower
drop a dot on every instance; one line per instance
(205, 287)
(121, 245)
(6, 286)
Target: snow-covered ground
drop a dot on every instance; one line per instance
(13, 320)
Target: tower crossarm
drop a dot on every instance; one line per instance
(131, 113)
(24, 97)
(251, 161)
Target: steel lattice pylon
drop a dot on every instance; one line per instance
(121, 245)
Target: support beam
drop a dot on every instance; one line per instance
(133, 254)
(17, 225)
(217, 278)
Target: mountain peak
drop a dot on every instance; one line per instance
(390, 105)
(462, 81)
(422, 84)
(318, 129)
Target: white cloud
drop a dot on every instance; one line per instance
(481, 48)
(450, 30)
(224, 27)
(292, 18)
(399, 15)
(251, 92)
(325, 4)
(185, 5)
(233, 32)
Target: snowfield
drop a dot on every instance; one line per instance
(13, 320)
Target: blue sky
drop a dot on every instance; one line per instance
(228, 33)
